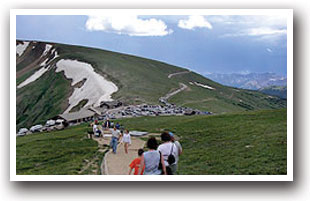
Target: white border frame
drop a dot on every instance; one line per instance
(287, 12)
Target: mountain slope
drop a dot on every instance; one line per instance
(280, 91)
(43, 91)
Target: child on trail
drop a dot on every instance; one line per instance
(135, 164)
(126, 139)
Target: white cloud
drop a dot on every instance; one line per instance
(128, 25)
(194, 21)
(269, 50)
(265, 31)
(260, 27)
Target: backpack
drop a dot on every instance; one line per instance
(171, 158)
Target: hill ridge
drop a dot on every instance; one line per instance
(138, 79)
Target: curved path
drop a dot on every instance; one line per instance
(179, 73)
(168, 95)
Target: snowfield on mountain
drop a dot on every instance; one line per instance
(20, 48)
(95, 89)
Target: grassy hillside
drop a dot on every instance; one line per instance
(139, 80)
(41, 100)
(57, 153)
(280, 91)
(243, 143)
(237, 143)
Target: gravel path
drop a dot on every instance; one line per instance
(179, 73)
(118, 164)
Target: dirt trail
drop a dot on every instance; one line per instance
(118, 164)
(179, 73)
(182, 87)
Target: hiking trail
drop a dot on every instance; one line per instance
(118, 164)
(179, 73)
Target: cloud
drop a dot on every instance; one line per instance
(265, 31)
(269, 50)
(194, 21)
(264, 27)
(261, 31)
(127, 25)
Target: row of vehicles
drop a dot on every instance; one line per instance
(50, 125)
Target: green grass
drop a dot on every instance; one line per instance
(79, 106)
(57, 153)
(241, 143)
(41, 100)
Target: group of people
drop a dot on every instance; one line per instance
(158, 160)
(123, 137)
(117, 134)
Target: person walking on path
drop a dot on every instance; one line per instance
(152, 160)
(135, 164)
(126, 139)
(107, 124)
(179, 148)
(115, 138)
(96, 130)
(169, 150)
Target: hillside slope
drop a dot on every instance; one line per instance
(44, 92)
(280, 91)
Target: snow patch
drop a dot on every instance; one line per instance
(203, 85)
(44, 63)
(48, 47)
(38, 73)
(20, 48)
(33, 77)
(96, 88)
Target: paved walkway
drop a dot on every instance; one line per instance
(118, 164)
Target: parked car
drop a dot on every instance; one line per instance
(59, 124)
(22, 132)
(36, 128)
(50, 123)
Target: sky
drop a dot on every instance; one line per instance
(204, 44)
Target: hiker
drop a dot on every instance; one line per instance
(152, 160)
(117, 125)
(179, 148)
(96, 130)
(107, 124)
(170, 152)
(126, 139)
(115, 138)
(135, 164)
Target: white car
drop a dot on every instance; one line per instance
(59, 124)
(50, 123)
(36, 128)
(22, 132)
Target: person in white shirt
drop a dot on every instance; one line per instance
(167, 148)
(126, 139)
(180, 150)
